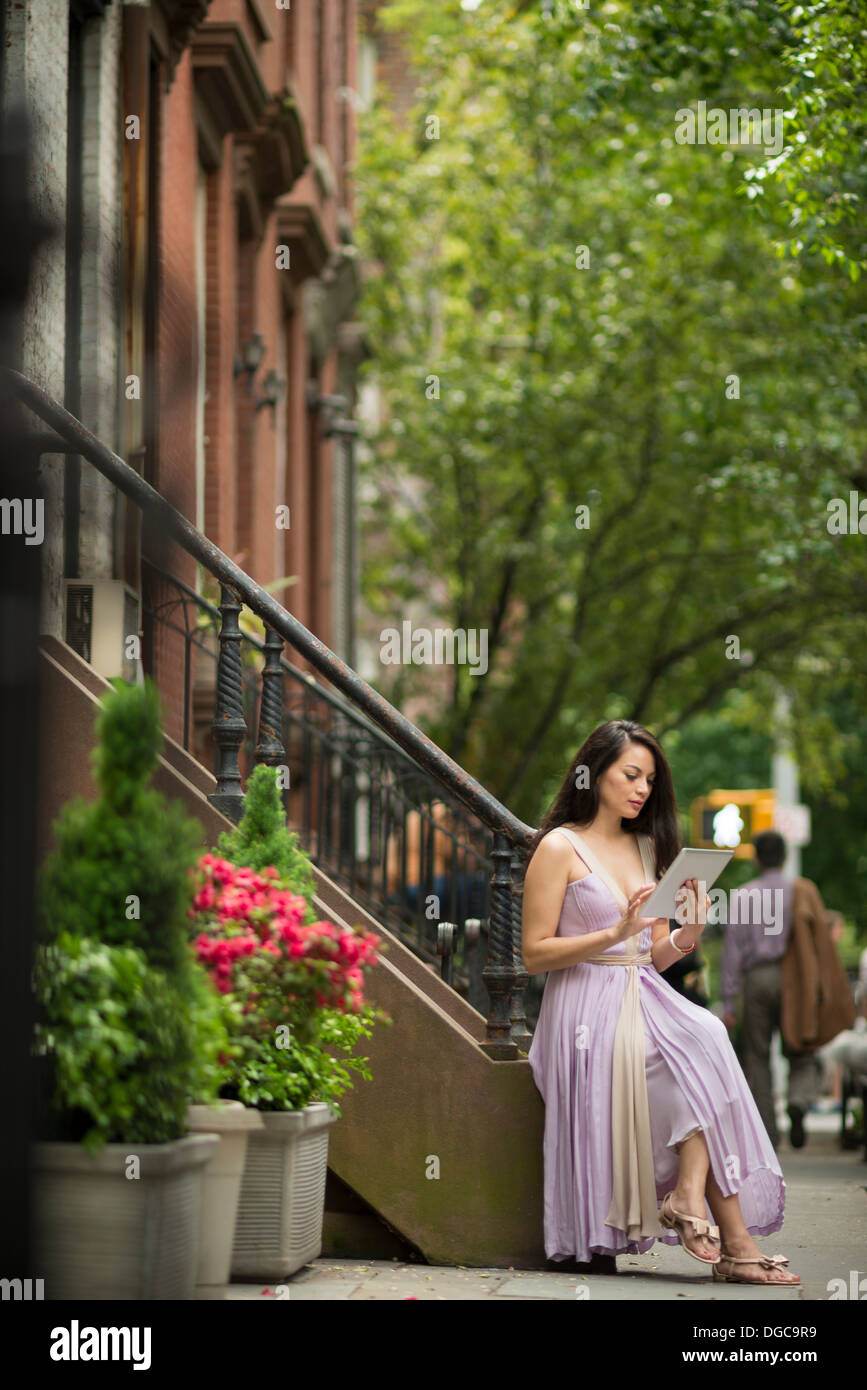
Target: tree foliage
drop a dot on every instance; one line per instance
(699, 394)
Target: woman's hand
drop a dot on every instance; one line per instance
(691, 914)
(630, 923)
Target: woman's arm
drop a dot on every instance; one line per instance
(663, 952)
(545, 885)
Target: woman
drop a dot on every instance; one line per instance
(648, 1117)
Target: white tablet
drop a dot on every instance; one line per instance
(704, 864)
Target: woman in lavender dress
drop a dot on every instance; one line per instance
(651, 1131)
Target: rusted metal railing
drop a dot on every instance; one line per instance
(504, 975)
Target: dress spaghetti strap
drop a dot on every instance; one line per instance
(583, 850)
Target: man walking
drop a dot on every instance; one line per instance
(756, 938)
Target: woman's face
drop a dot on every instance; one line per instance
(625, 786)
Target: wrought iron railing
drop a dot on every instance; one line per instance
(351, 798)
(358, 748)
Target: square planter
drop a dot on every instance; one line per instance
(279, 1226)
(233, 1122)
(101, 1234)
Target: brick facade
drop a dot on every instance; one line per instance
(392, 68)
(250, 108)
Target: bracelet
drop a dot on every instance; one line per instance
(684, 950)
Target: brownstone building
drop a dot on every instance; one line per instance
(197, 158)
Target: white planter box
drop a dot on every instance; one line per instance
(222, 1188)
(279, 1226)
(101, 1234)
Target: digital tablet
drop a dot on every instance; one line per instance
(704, 864)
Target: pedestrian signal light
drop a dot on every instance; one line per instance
(729, 819)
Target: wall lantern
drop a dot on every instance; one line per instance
(273, 387)
(254, 351)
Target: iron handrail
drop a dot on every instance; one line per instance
(504, 975)
(363, 748)
(428, 754)
(336, 701)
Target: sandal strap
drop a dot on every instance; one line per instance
(765, 1261)
(700, 1226)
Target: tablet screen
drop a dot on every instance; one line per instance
(704, 864)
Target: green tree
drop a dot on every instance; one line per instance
(816, 55)
(676, 378)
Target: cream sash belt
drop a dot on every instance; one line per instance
(633, 1202)
(634, 1205)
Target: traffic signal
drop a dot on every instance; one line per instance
(730, 819)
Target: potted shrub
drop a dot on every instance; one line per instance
(299, 984)
(129, 1028)
(262, 840)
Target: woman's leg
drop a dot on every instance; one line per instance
(695, 1181)
(688, 1195)
(735, 1238)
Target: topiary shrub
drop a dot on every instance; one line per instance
(130, 1027)
(120, 872)
(261, 838)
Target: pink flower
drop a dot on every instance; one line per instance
(296, 966)
(205, 898)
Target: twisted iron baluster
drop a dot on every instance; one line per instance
(269, 748)
(521, 1034)
(499, 973)
(229, 726)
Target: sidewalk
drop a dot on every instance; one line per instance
(824, 1234)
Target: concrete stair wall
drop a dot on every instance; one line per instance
(439, 1156)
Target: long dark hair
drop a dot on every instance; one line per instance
(579, 805)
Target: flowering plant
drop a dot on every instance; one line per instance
(298, 986)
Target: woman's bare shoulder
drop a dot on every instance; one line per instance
(554, 844)
(551, 848)
(554, 851)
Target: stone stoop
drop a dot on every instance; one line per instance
(439, 1156)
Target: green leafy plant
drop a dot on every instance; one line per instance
(130, 1027)
(123, 1049)
(301, 1073)
(120, 872)
(261, 838)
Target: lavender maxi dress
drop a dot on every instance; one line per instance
(627, 1069)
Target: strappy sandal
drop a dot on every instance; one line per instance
(678, 1222)
(765, 1262)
